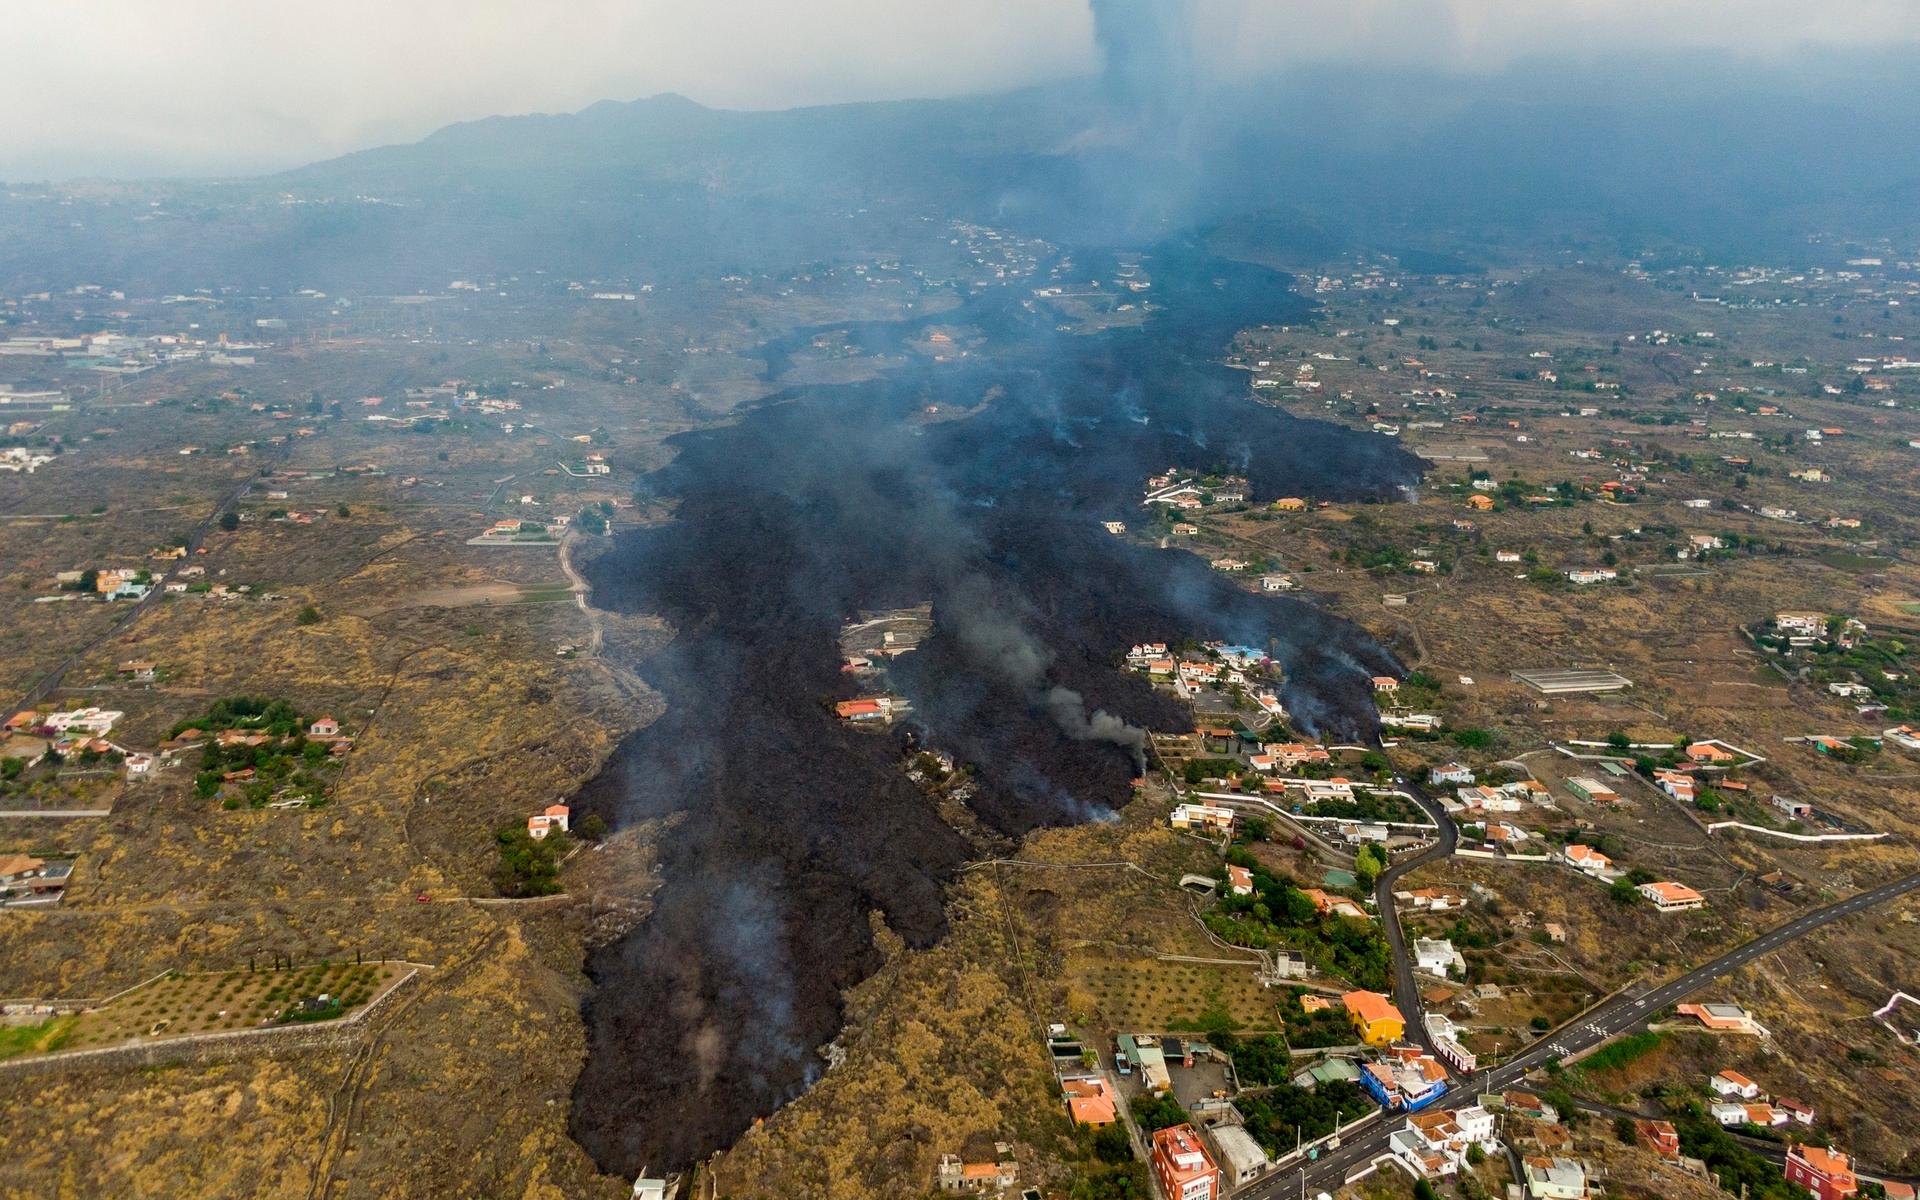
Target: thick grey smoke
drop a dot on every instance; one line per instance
(998, 642)
(1069, 711)
(1146, 48)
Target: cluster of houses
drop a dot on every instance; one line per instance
(1215, 666)
(1436, 1144)
(29, 735)
(1802, 630)
(21, 459)
(1740, 1101)
(1177, 491)
(1472, 801)
(111, 583)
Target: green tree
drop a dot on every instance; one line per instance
(1153, 1112)
(1367, 865)
(1112, 1145)
(229, 520)
(308, 615)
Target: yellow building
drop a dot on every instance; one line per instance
(1378, 1022)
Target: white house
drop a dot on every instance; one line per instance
(1437, 956)
(1733, 1083)
(97, 721)
(553, 817)
(1486, 799)
(1586, 859)
(1452, 772)
(1410, 720)
(1587, 575)
(1801, 624)
(1556, 1178)
(1728, 1113)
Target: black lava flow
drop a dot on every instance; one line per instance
(827, 500)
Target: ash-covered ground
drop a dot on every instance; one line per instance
(829, 500)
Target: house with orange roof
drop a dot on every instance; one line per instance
(1289, 755)
(1677, 784)
(554, 816)
(1239, 881)
(1374, 1017)
(1721, 1018)
(1668, 896)
(1587, 860)
(871, 708)
(1733, 1083)
(1089, 1102)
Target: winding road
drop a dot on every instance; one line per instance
(1406, 989)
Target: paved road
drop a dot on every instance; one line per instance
(1406, 989)
(1619, 1016)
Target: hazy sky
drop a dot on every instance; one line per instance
(119, 87)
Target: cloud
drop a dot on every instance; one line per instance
(133, 86)
(188, 86)
(1248, 37)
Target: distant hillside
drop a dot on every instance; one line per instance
(1726, 157)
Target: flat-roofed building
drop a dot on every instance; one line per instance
(1558, 681)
